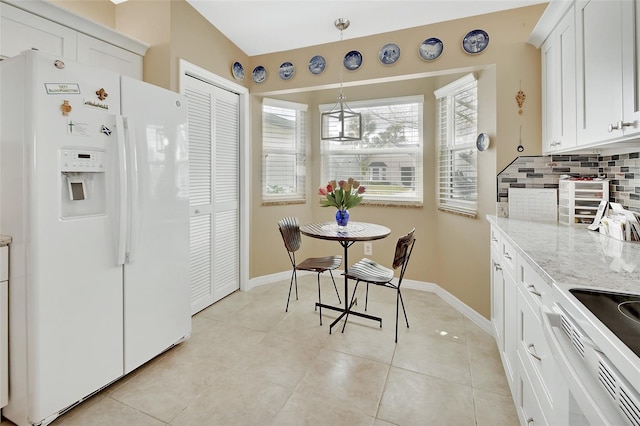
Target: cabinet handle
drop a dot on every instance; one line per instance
(529, 349)
(619, 126)
(494, 239)
(497, 266)
(532, 290)
(507, 256)
(530, 420)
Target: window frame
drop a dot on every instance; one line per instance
(417, 197)
(299, 151)
(446, 147)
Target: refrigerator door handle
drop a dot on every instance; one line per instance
(133, 213)
(122, 193)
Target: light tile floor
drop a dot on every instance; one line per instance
(250, 363)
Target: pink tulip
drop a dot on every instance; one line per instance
(361, 189)
(322, 191)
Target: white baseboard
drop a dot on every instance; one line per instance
(456, 303)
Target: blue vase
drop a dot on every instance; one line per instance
(342, 218)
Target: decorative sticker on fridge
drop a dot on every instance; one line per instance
(96, 104)
(105, 130)
(62, 88)
(102, 94)
(65, 107)
(75, 128)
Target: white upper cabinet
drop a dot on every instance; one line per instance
(606, 70)
(23, 27)
(590, 73)
(20, 30)
(97, 52)
(559, 86)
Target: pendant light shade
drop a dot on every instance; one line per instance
(340, 123)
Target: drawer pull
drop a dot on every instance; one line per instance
(530, 420)
(497, 266)
(507, 256)
(533, 290)
(494, 239)
(531, 350)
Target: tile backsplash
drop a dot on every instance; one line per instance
(623, 172)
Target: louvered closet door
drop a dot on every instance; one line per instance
(214, 171)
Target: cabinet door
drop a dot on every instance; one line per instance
(497, 300)
(599, 70)
(550, 110)
(20, 30)
(97, 52)
(565, 36)
(631, 68)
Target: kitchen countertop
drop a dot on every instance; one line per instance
(5, 240)
(574, 255)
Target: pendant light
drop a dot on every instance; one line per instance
(341, 124)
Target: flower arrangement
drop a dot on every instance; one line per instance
(342, 195)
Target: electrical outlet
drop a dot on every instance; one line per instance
(368, 249)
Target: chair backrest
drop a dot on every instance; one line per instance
(404, 247)
(290, 231)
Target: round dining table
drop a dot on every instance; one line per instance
(346, 236)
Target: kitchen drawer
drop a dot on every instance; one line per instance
(533, 350)
(534, 286)
(495, 238)
(530, 411)
(4, 263)
(508, 255)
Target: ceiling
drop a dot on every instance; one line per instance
(262, 26)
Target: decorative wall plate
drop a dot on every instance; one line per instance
(286, 71)
(389, 54)
(352, 60)
(482, 142)
(431, 49)
(259, 74)
(475, 42)
(317, 64)
(237, 70)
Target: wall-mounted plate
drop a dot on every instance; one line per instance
(352, 60)
(317, 64)
(475, 42)
(431, 49)
(259, 74)
(389, 54)
(237, 70)
(286, 71)
(482, 142)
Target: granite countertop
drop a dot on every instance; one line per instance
(5, 240)
(574, 255)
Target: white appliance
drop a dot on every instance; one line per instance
(94, 192)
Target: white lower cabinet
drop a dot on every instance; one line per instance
(4, 325)
(518, 293)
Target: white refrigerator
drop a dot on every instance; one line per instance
(94, 191)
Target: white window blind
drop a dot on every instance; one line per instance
(388, 158)
(457, 155)
(283, 151)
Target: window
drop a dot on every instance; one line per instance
(388, 158)
(457, 155)
(283, 151)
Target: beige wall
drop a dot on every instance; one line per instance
(100, 11)
(451, 251)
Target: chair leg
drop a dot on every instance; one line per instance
(397, 307)
(336, 287)
(353, 295)
(366, 298)
(293, 273)
(319, 298)
(403, 309)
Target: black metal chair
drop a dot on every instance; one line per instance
(290, 231)
(366, 270)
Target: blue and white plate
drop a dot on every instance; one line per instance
(259, 74)
(286, 71)
(352, 60)
(431, 49)
(475, 42)
(317, 64)
(237, 70)
(389, 54)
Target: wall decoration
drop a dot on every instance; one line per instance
(317, 64)
(389, 54)
(431, 49)
(237, 70)
(475, 42)
(259, 74)
(482, 142)
(286, 71)
(352, 60)
(520, 97)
